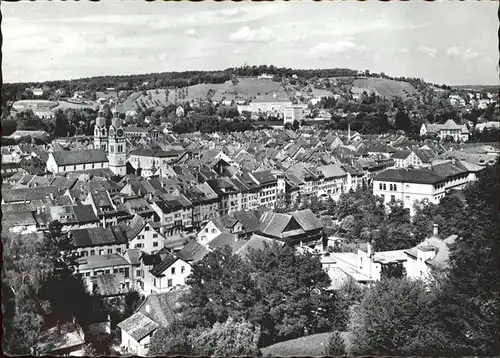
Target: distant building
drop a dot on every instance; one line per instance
(292, 114)
(265, 76)
(37, 92)
(459, 133)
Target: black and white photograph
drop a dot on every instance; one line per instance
(250, 178)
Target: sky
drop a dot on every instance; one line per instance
(442, 42)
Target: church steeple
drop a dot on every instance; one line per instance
(100, 132)
(117, 154)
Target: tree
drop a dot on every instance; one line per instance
(292, 300)
(335, 346)
(397, 317)
(469, 295)
(296, 125)
(173, 340)
(402, 121)
(220, 287)
(231, 338)
(396, 229)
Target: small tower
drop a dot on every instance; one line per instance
(117, 153)
(100, 133)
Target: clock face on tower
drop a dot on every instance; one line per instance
(119, 132)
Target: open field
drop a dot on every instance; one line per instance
(383, 87)
(313, 345)
(34, 103)
(64, 105)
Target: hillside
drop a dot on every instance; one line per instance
(383, 87)
(245, 89)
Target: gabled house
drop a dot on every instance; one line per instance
(157, 310)
(144, 235)
(297, 228)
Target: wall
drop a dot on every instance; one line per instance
(178, 277)
(149, 237)
(208, 233)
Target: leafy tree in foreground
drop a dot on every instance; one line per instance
(220, 286)
(292, 294)
(397, 317)
(470, 300)
(173, 340)
(231, 338)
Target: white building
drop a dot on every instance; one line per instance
(292, 114)
(459, 133)
(411, 185)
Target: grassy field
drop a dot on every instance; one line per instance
(313, 345)
(383, 87)
(246, 88)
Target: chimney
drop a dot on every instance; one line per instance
(435, 231)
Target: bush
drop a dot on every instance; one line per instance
(231, 338)
(335, 346)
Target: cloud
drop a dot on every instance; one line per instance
(192, 33)
(55, 39)
(325, 49)
(95, 38)
(465, 54)
(246, 34)
(404, 50)
(230, 13)
(428, 50)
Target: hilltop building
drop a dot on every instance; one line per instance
(459, 133)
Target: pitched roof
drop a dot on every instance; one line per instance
(28, 194)
(109, 285)
(192, 251)
(421, 176)
(95, 236)
(80, 157)
(274, 223)
(307, 220)
(138, 326)
(256, 242)
(223, 239)
(162, 307)
(334, 170)
(164, 264)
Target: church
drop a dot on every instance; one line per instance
(110, 151)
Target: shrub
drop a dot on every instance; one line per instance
(335, 346)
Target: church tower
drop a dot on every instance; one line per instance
(117, 153)
(100, 133)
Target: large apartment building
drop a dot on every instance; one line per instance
(411, 185)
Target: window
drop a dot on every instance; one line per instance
(126, 272)
(383, 196)
(182, 269)
(120, 148)
(155, 236)
(84, 253)
(101, 252)
(380, 186)
(155, 244)
(107, 272)
(385, 187)
(214, 231)
(111, 148)
(147, 228)
(140, 237)
(87, 274)
(139, 246)
(118, 250)
(110, 251)
(173, 270)
(407, 197)
(393, 197)
(138, 273)
(169, 283)
(407, 186)
(92, 252)
(154, 282)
